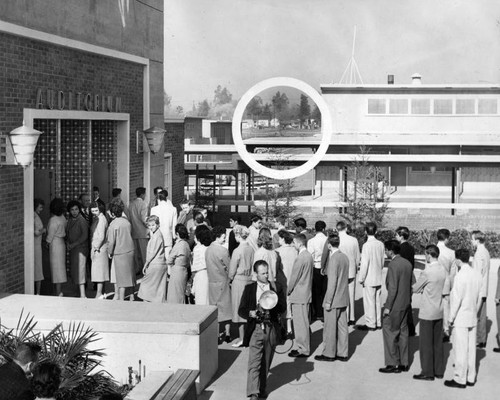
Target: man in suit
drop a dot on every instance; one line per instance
(465, 301)
(335, 332)
(138, 214)
(96, 195)
(316, 246)
(407, 252)
(301, 227)
(168, 219)
(481, 263)
(280, 226)
(370, 276)
(254, 228)
(299, 292)
(14, 385)
(431, 284)
(260, 336)
(395, 328)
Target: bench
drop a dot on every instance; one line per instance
(180, 386)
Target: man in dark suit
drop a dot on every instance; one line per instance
(408, 252)
(14, 384)
(335, 332)
(300, 292)
(261, 334)
(395, 314)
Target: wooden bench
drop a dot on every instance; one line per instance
(180, 386)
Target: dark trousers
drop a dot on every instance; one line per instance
(431, 347)
(260, 357)
(395, 333)
(319, 285)
(411, 324)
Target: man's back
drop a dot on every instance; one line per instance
(300, 282)
(138, 211)
(350, 247)
(408, 252)
(13, 383)
(465, 297)
(372, 262)
(337, 293)
(398, 283)
(481, 263)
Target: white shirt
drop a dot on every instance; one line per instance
(315, 246)
(261, 288)
(167, 214)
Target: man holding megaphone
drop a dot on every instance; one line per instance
(261, 304)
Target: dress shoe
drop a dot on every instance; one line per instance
(470, 383)
(390, 369)
(343, 359)
(351, 323)
(481, 345)
(454, 384)
(403, 368)
(422, 377)
(496, 349)
(321, 357)
(295, 353)
(365, 328)
(439, 376)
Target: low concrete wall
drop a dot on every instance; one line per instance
(163, 336)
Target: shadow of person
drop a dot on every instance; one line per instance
(316, 339)
(226, 360)
(414, 341)
(355, 339)
(480, 354)
(293, 373)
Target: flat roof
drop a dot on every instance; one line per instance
(492, 88)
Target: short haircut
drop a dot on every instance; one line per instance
(162, 196)
(281, 220)
(95, 189)
(57, 206)
(116, 209)
(218, 231)
(140, 191)
(98, 205)
(371, 228)
(38, 202)
(242, 231)
(286, 236)
(301, 238)
(182, 231)
(341, 226)
(165, 192)
(393, 245)
(334, 240)
(236, 218)
(479, 236)
(203, 235)
(320, 226)
(258, 263)
(199, 218)
(300, 223)
(432, 250)
(27, 352)
(443, 234)
(74, 203)
(255, 218)
(156, 189)
(46, 379)
(462, 255)
(116, 192)
(265, 239)
(404, 232)
(153, 218)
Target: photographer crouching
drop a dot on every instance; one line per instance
(261, 304)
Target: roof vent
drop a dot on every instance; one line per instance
(390, 79)
(416, 79)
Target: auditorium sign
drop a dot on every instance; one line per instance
(68, 100)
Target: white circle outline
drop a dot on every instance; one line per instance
(326, 128)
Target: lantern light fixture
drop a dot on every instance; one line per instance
(154, 137)
(24, 140)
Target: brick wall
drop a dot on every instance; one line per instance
(174, 144)
(25, 66)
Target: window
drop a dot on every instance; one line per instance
(376, 106)
(465, 106)
(167, 181)
(398, 106)
(443, 106)
(429, 169)
(487, 106)
(420, 106)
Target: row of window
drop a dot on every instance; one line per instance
(433, 106)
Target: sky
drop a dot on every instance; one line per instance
(238, 43)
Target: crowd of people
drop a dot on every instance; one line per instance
(180, 258)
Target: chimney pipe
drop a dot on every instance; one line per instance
(390, 79)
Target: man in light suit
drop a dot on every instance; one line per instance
(481, 263)
(370, 276)
(168, 219)
(465, 301)
(335, 332)
(138, 213)
(299, 290)
(395, 326)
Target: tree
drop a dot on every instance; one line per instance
(367, 192)
(304, 109)
(255, 108)
(179, 110)
(167, 101)
(222, 96)
(203, 108)
(267, 111)
(316, 114)
(280, 104)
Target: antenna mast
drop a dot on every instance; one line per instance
(351, 75)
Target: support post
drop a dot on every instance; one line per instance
(215, 188)
(197, 184)
(236, 189)
(453, 187)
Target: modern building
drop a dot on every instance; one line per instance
(88, 75)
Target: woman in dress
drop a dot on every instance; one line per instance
(99, 272)
(154, 283)
(56, 232)
(203, 239)
(219, 293)
(121, 252)
(240, 272)
(46, 380)
(39, 230)
(179, 261)
(77, 235)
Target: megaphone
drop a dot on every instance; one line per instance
(268, 300)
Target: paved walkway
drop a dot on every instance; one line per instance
(359, 377)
